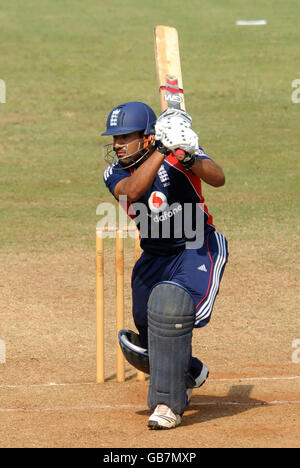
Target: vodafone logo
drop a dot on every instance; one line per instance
(158, 205)
(157, 202)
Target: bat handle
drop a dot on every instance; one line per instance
(180, 154)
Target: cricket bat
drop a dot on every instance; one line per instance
(168, 68)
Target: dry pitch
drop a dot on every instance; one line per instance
(49, 397)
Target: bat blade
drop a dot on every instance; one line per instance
(168, 67)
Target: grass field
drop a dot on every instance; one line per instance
(65, 65)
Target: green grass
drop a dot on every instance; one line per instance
(67, 63)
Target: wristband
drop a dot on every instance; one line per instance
(188, 161)
(162, 149)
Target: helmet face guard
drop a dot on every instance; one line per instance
(130, 117)
(145, 146)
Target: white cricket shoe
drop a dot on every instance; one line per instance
(163, 418)
(199, 381)
(201, 378)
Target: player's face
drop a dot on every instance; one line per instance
(127, 147)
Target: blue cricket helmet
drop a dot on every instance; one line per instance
(133, 352)
(130, 117)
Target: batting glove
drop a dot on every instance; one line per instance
(177, 135)
(171, 112)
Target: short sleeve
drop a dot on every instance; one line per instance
(202, 154)
(113, 175)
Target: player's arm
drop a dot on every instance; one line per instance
(209, 171)
(136, 185)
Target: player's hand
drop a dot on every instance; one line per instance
(177, 136)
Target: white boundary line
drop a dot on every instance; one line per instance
(126, 407)
(73, 384)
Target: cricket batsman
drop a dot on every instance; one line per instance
(177, 278)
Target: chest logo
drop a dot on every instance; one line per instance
(157, 202)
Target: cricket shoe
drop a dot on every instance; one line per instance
(163, 418)
(200, 379)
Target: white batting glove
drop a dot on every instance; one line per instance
(171, 112)
(168, 122)
(176, 134)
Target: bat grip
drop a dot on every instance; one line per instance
(180, 154)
